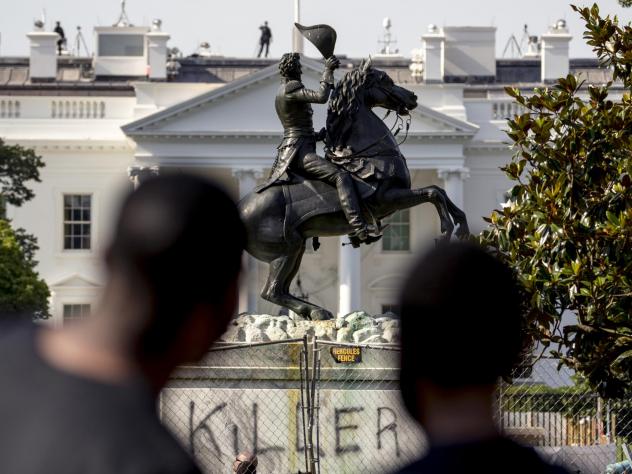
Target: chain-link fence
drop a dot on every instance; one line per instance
(299, 406)
(325, 407)
(240, 398)
(363, 426)
(564, 421)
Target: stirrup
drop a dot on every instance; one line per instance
(355, 242)
(367, 235)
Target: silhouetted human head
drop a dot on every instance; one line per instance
(460, 322)
(290, 66)
(265, 23)
(173, 265)
(245, 463)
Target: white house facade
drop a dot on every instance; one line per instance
(102, 123)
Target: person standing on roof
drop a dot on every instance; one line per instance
(265, 39)
(62, 37)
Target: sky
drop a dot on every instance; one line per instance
(231, 26)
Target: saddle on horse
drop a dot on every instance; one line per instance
(307, 198)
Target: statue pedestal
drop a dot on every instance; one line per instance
(358, 327)
(254, 393)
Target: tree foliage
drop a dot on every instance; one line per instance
(22, 292)
(625, 3)
(567, 226)
(17, 166)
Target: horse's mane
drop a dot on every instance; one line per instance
(343, 98)
(343, 105)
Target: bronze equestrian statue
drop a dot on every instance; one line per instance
(362, 179)
(297, 151)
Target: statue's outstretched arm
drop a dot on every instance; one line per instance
(319, 96)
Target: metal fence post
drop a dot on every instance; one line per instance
(311, 390)
(304, 384)
(307, 402)
(316, 403)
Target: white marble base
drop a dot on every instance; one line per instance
(358, 327)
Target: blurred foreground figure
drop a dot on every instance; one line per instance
(461, 331)
(82, 399)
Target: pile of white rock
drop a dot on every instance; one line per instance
(358, 328)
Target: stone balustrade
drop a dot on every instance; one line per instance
(77, 109)
(9, 108)
(503, 110)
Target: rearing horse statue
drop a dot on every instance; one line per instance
(281, 218)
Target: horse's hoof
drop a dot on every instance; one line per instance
(447, 229)
(320, 315)
(463, 232)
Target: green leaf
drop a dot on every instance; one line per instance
(22, 292)
(612, 218)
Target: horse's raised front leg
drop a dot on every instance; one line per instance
(277, 288)
(401, 198)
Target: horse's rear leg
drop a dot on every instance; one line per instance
(276, 290)
(457, 214)
(402, 198)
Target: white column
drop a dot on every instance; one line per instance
(249, 291)
(43, 56)
(247, 180)
(157, 54)
(555, 52)
(453, 183)
(57, 318)
(434, 53)
(349, 278)
(297, 37)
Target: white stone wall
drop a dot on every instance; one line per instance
(360, 430)
(74, 276)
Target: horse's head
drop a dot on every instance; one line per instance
(381, 91)
(364, 87)
(371, 87)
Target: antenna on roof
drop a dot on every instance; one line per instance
(123, 19)
(513, 46)
(79, 43)
(387, 39)
(529, 46)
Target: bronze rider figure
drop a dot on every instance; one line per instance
(297, 152)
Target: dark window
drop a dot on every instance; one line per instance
(77, 221)
(74, 312)
(397, 235)
(121, 45)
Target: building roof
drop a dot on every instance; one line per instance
(160, 124)
(73, 78)
(75, 74)
(513, 71)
